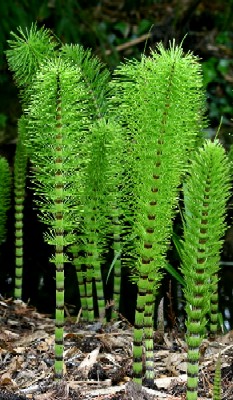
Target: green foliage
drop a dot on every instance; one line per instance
(100, 181)
(158, 142)
(95, 77)
(14, 14)
(206, 192)
(108, 161)
(5, 190)
(28, 49)
(57, 123)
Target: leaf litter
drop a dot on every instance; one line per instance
(97, 360)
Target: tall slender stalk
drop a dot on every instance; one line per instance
(206, 192)
(5, 190)
(217, 379)
(20, 166)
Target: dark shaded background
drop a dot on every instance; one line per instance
(115, 30)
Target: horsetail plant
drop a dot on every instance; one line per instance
(101, 184)
(20, 173)
(57, 153)
(159, 102)
(206, 192)
(28, 49)
(90, 238)
(5, 192)
(56, 137)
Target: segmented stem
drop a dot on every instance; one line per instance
(78, 263)
(217, 379)
(5, 188)
(20, 165)
(117, 247)
(59, 239)
(214, 306)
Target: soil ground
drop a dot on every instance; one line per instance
(98, 360)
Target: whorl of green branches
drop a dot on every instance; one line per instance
(206, 192)
(5, 190)
(28, 49)
(159, 103)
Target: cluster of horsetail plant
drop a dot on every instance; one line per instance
(206, 192)
(159, 102)
(64, 109)
(109, 158)
(5, 190)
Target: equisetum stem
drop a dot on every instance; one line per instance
(149, 336)
(5, 189)
(196, 316)
(214, 306)
(117, 265)
(59, 317)
(81, 285)
(19, 190)
(59, 248)
(94, 279)
(138, 336)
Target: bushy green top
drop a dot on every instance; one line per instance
(159, 102)
(28, 49)
(57, 133)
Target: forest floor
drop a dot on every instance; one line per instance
(98, 360)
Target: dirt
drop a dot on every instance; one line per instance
(97, 360)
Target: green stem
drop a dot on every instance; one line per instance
(138, 337)
(78, 261)
(214, 306)
(19, 189)
(5, 188)
(59, 316)
(59, 249)
(117, 230)
(149, 335)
